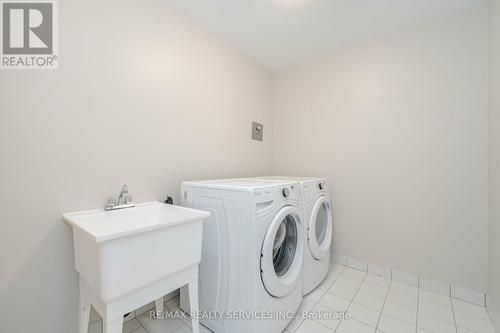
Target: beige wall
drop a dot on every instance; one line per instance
(399, 127)
(494, 242)
(141, 97)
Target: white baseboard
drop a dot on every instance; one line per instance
(405, 277)
(382, 271)
(357, 264)
(493, 313)
(465, 294)
(339, 259)
(439, 287)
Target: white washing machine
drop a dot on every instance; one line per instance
(317, 217)
(252, 253)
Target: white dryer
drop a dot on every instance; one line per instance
(317, 217)
(252, 253)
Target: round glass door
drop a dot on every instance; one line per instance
(320, 228)
(285, 245)
(282, 251)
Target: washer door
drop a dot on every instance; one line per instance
(282, 253)
(320, 228)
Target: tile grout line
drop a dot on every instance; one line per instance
(431, 302)
(469, 302)
(449, 284)
(345, 267)
(324, 295)
(317, 302)
(452, 308)
(386, 297)
(383, 305)
(453, 311)
(352, 300)
(331, 284)
(138, 328)
(179, 328)
(141, 325)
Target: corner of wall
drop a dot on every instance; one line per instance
(494, 162)
(493, 313)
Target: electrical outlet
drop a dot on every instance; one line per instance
(257, 131)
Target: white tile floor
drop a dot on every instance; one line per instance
(375, 305)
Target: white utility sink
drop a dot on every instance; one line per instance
(130, 257)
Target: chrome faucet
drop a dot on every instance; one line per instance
(124, 200)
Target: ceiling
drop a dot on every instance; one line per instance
(280, 34)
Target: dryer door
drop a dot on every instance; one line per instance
(282, 253)
(320, 228)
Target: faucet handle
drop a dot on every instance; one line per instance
(124, 189)
(111, 203)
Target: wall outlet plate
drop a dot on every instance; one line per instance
(257, 131)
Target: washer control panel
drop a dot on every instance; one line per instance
(278, 193)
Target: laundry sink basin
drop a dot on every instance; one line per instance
(122, 251)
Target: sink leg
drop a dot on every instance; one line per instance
(159, 307)
(193, 300)
(114, 326)
(83, 311)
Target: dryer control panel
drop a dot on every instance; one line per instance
(314, 188)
